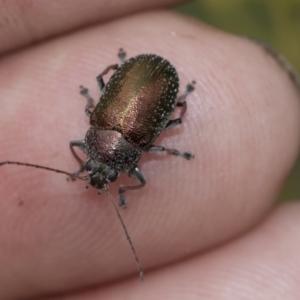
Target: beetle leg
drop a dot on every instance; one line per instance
(186, 155)
(122, 55)
(175, 122)
(189, 88)
(100, 81)
(90, 101)
(85, 92)
(81, 145)
(137, 174)
(181, 103)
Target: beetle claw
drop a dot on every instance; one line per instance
(123, 201)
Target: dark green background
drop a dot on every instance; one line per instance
(276, 22)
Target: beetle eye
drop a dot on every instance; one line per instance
(89, 166)
(112, 175)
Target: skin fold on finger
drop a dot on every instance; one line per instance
(242, 123)
(25, 22)
(263, 264)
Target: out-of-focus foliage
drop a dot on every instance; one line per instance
(276, 22)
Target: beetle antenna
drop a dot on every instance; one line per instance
(140, 269)
(41, 167)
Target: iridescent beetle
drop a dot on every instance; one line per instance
(135, 107)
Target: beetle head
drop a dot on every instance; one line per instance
(100, 174)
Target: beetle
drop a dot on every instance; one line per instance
(135, 106)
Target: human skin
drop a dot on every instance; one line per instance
(208, 228)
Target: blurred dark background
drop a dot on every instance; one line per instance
(276, 22)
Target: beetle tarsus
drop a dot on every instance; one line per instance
(123, 201)
(122, 55)
(186, 155)
(90, 101)
(190, 87)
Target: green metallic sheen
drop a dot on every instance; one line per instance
(138, 100)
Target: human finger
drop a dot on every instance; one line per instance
(242, 118)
